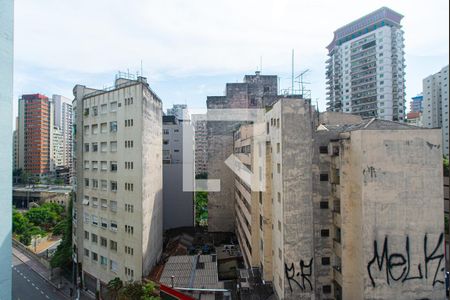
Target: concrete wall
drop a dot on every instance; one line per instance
(178, 208)
(392, 215)
(6, 96)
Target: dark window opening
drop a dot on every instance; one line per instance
(325, 233)
(323, 150)
(323, 177)
(324, 204)
(325, 261)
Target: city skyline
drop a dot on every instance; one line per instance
(198, 71)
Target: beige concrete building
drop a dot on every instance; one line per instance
(352, 209)
(118, 209)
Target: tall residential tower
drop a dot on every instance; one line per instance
(365, 68)
(118, 162)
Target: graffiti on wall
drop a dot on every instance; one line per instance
(302, 278)
(397, 265)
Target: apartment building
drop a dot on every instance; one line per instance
(435, 104)
(416, 104)
(340, 207)
(118, 161)
(34, 134)
(201, 147)
(178, 205)
(6, 96)
(62, 110)
(58, 153)
(256, 91)
(365, 69)
(179, 111)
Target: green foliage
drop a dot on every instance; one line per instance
(20, 222)
(201, 176)
(201, 208)
(60, 227)
(46, 215)
(63, 254)
(25, 238)
(131, 291)
(446, 224)
(446, 171)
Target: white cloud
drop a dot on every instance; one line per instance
(177, 39)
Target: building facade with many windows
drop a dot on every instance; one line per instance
(435, 104)
(118, 209)
(365, 69)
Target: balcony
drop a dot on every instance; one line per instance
(337, 275)
(337, 247)
(337, 219)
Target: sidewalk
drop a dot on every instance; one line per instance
(45, 273)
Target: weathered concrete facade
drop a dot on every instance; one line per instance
(352, 209)
(118, 214)
(257, 91)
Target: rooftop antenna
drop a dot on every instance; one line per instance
(301, 82)
(292, 75)
(142, 70)
(260, 63)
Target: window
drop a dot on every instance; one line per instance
(94, 238)
(95, 110)
(86, 252)
(129, 165)
(104, 185)
(94, 202)
(278, 168)
(103, 166)
(129, 250)
(165, 131)
(103, 260)
(326, 289)
(113, 266)
(113, 225)
(323, 204)
(114, 186)
(113, 146)
(103, 242)
(129, 229)
(129, 101)
(323, 177)
(278, 147)
(86, 235)
(279, 225)
(325, 261)
(279, 197)
(325, 233)
(104, 203)
(94, 256)
(94, 183)
(94, 147)
(129, 144)
(86, 112)
(113, 165)
(129, 186)
(94, 129)
(323, 149)
(280, 254)
(94, 221)
(94, 165)
(103, 146)
(103, 127)
(129, 123)
(86, 182)
(113, 126)
(113, 245)
(129, 208)
(86, 164)
(129, 272)
(113, 106)
(113, 205)
(103, 108)
(86, 147)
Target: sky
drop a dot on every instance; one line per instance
(191, 49)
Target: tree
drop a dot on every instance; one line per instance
(60, 227)
(149, 292)
(63, 254)
(131, 291)
(46, 215)
(114, 287)
(20, 222)
(201, 207)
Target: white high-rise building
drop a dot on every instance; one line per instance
(435, 104)
(118, 213)
(365, 69)
(6, 96)
(63, 121)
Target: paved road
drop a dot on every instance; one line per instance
(29, 285)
